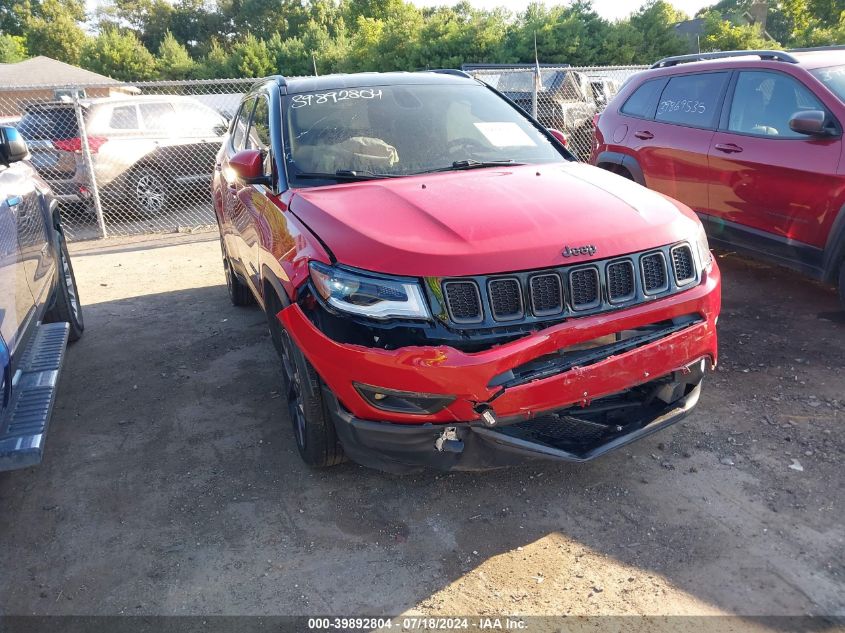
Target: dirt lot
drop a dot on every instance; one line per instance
(172, 485)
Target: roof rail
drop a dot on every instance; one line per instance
(451, 71)
(279, 79)
(778, 56)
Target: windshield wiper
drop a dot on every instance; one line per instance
(345, 174)
(471, 163)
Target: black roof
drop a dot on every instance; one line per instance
(297, 85)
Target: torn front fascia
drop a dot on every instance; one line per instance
(590, 352)
(394, 334)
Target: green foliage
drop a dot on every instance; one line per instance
(723, 35)
(251, 58)
(12, 49)
(53, 29)
(174, 61)
(239, 38)
(120, 55)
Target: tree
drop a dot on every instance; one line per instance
(215, 64)
(251, 57)
(722, 35)
(12, 49)
(174, 61)
(52, 29)
(120, 55)
(653, 24)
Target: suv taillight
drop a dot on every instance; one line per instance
(75, 144)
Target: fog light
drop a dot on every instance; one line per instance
(403, 401)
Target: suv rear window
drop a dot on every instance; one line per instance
(692, 99)
(641, 103)
(48, 124)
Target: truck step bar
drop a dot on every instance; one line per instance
(23, 428)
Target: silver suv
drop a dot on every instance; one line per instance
(144, 149)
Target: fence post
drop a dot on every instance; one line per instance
(89, 164)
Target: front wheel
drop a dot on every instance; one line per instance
(842, 283)
(313, 428)
(66, 306)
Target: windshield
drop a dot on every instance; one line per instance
(406, 129)
(834, 78)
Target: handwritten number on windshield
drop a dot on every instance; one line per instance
(303, 100)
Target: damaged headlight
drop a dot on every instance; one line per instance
(369, 295)
(705, 257)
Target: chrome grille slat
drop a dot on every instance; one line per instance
(682, 264)
(546, 294)
(621, 285)
(505, 298)
(463, 301)
(655, 275)
(584, 288)
(485, 301)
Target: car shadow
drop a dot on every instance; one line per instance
(172, 485)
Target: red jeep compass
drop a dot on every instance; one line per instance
(446, 286)
(751, 140)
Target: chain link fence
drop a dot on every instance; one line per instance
(135, 158)
(126, 158)
(566, 98)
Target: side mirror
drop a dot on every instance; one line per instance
(248, 165)
(12, 146)
(810, 122)
(560, 136)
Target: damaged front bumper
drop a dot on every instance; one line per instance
(545, 395)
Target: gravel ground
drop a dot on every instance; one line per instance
(171, 483)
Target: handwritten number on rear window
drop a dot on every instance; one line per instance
(684, 105)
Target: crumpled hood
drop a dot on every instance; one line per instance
(492, 220)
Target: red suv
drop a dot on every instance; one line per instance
(446, 286)
(751, 140)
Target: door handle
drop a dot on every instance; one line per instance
(728, 148)
(644, 135)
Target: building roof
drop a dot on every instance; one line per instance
(44, 71)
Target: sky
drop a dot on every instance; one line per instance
(609, 9)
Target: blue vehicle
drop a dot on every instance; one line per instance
(39, 305)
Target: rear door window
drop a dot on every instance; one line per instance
(200, 119)
(643, 101)
(764, 102)
(158, 116)
(124, 118)
(692, 100)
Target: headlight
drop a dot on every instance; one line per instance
(369, 296)
(705, 257)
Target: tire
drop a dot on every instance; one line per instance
(239, 294)
(842, 284)
(148, 191)
(313, 428)
(66, 305)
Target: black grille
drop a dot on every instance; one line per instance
(620, 281)
(546, 297)
(654, 273)
(505, 298)
(584, 287)
(463, 301)
(683, 264)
